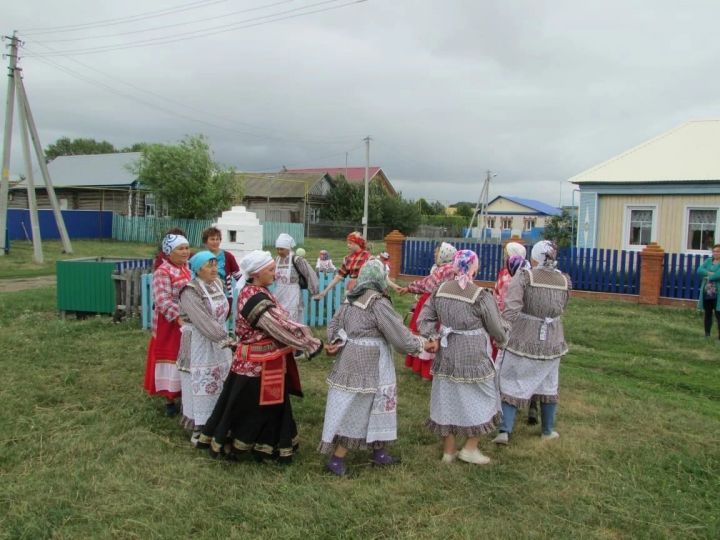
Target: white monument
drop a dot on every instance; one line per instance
(241, 231)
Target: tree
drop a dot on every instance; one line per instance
(464, 209)
(560, 228)
(186, 178)
(76, 147)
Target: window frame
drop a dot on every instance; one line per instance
(686, 224)
(653, 207)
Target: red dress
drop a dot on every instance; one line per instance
(161, 375)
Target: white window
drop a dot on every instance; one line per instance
(530, 224)
(149, 205)
(640, 226)
(700, 231)
(491, 223)
(506, 223)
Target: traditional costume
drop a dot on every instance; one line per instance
(362, 395)
(464, 398)
(353, 262)
(324, 263)
(442, 271)
(530, 364)
(287, 278)
(254, 411)
(204, 358)
(161, 373)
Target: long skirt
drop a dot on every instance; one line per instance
(466, 409)
(521, 378)
(162, 377)
(265, 431)
(419, 364)
(358, 420)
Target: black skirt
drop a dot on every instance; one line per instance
(265, 431)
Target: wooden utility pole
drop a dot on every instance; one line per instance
(7, 140)
(367, 184)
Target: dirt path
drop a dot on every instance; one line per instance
(22, 284)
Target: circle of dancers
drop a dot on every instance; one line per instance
(488, 352)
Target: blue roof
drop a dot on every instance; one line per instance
(531, 203)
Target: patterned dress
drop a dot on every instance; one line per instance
(352, 264)
(204, 358)
(530, 364)
(287, 284)
(361, 407)
(253, 412)
(464, 397)
(161, 374)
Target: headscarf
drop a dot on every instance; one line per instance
(200, 259)
(544, 252)
(385, 256)
(173, 241)
(356, 238)
(371, 277)
(446, 252)
(514, 248)
(514, 263)
(466, 264)
(324, 255)
(300, 252)
(285, 241)
(252, 262)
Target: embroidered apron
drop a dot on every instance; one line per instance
(287, 291)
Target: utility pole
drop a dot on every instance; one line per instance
(367, 183)
(9, 112)
(481, 207)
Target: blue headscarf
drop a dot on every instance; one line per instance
(200, 259)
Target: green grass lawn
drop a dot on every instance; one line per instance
(19, 264)
(84, 453)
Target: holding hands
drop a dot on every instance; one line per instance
(431, 346)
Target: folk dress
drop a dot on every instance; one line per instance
(204, 358)
(464, 399)
(161, 373)
(361, 408)
(351, 266)
(287, 286)
(530, 364)
(253, 413)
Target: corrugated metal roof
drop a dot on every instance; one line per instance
(690, 152)
(351, 174)
(284, 185)
(532, 204)
(92, 170)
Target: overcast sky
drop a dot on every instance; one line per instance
(536, 91)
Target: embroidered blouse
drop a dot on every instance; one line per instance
(168, 281)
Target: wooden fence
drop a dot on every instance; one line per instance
(680, 278)
(316, 313)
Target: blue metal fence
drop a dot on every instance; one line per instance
(419, 256)
(680, 277)
(78, 223)
(316, 313)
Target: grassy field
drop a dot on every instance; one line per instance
(85, 454)
(19, 264)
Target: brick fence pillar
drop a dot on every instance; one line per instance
(394, 246)
(651, 273)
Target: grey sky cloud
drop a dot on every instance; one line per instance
(535, 90)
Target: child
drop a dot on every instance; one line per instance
(324, 263)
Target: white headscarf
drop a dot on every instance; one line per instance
(513, 248)
(285, 241)
(543, 252)
(251, 263)
(446, 253)
(173, 241)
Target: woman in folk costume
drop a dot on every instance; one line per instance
(289, 270)
(530, 364)
(362, 395)
(254, 406)
(161, 374)
(324, 263)
(464, 399)
(352, 263)
(441, 271)
(514, 259)
(204, 358)
(227, 266)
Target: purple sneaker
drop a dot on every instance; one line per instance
(336, 465)
(382, 458)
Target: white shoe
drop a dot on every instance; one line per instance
(502, 438)
(473, 456)
(549, 437)
(449, 458)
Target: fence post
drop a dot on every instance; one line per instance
(651, 273)
(394, 246)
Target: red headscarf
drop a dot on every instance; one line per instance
(356, 238)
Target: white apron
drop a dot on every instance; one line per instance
(287, 291)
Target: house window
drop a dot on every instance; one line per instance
(702, 223)
(149, 204)
(233, 236)
(506, 223)
(530, 224)
(491, 223)
(639, 226)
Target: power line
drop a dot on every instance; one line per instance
(120, 20)
(205, 32)
(174, 25)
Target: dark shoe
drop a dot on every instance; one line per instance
(382, 458)
(171, 410)
(336, 466)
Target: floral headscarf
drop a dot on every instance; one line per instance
(446, 252)
(544, 252)
(173, 241)
(371, 276)
(466, 263)
(514, 263)
(356, 238)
